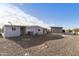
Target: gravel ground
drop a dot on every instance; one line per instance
(47, 45)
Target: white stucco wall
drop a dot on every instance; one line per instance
(8, 32)
(34, 30)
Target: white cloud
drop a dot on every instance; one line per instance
(20, 3)
(8, 12)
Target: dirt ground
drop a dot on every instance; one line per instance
(47, 45)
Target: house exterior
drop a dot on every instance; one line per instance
(15, 31)
(56, 29)
(14, 28)
(34, 30)
(9, 31)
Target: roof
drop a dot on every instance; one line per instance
(56, 27)
(11, 15)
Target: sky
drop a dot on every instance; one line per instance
(59, 14)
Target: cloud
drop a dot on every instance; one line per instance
(8, 11)
(20, 3)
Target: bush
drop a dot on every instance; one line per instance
(0, 30)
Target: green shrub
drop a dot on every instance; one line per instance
(0, 30)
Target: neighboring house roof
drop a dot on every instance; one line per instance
(11, 15)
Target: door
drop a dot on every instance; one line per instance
(22, 30)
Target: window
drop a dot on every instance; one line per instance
(13, 29)
(38, 29)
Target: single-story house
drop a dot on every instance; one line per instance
(18, 28)
(56, 29)
(14, 31)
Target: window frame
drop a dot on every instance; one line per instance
(13, 28)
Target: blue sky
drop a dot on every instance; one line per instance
(65, 15)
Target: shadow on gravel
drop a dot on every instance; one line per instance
(30, 41)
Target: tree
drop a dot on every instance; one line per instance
(69, 30)
(63, 31)
(0, 30)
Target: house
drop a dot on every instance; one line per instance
(35, 30)
(56, 29)
(19, 30)
(14, 31)
(14, 28)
